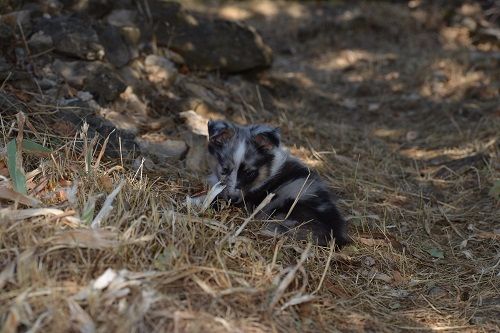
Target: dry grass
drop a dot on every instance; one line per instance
(425, 255)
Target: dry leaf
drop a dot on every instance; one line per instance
(7, 274)
(8, 194)
(106, 183)
(397, 278)
(85, 238)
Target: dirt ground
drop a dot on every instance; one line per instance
(397, 105)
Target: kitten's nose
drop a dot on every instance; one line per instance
(235, 199)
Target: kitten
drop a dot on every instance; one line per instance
(251, 162)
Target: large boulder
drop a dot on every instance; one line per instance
(208, 44)
(73, 37)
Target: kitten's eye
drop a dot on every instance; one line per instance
(226, 171)
(250, 173)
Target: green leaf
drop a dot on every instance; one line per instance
(88, 210)
(495, 190)
(31, 146)
(435, 252)
(16, 172)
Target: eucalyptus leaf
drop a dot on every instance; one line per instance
(435, 252)
(32, 146)
(16, 171)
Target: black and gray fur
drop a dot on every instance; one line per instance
(251, 162)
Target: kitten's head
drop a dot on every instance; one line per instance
(243, 157)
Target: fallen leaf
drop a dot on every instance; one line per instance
(9, 194)
(397, 278)
(22, 214)
(382, 277)
(80, 320)
(33, 147)
(435, 252)
(7, 274)
(16, 171)
(85, 238)
(106, 183)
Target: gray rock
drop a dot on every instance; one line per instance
(18, 18)
(160, 69)
(40, 42)
(122, 18)
(120, 141)
(7, 37)
(117, 51)
(19, 78)
(209, 44)
(104, 84)
(73, 37)
(164, 150)
(195, 123)
(196, 137)
(95, 77)
(73, 72)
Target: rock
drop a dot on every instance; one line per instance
(17, 77)
(120, 142)
(7, 37)
(117, 51)
(196, 137)
(95, 8)
(491, 35)
(162, 151)
(132, 74)
(195, 123)
(174, 57)
(73, 72)
(160, 69)
(4, 65)
(18, 18)
(73, 37)
(368, 261)
(436, 291)
(40, 42)
(122, 18)
(104, 84)
(95, 77)
(209, 44)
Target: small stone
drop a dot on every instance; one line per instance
(436, 292)
(104, 84)
(174, 57)
(411, 136)
(40, 42)
(368, 261)
(122, 17)
(373, 107)
(195, 123)
(95, 77)
(84, 96)
(7, 36)
(160, 69)
(117, 51)
(196, 137)
(18, 18)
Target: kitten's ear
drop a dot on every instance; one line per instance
(219, 132)
(267, 138)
